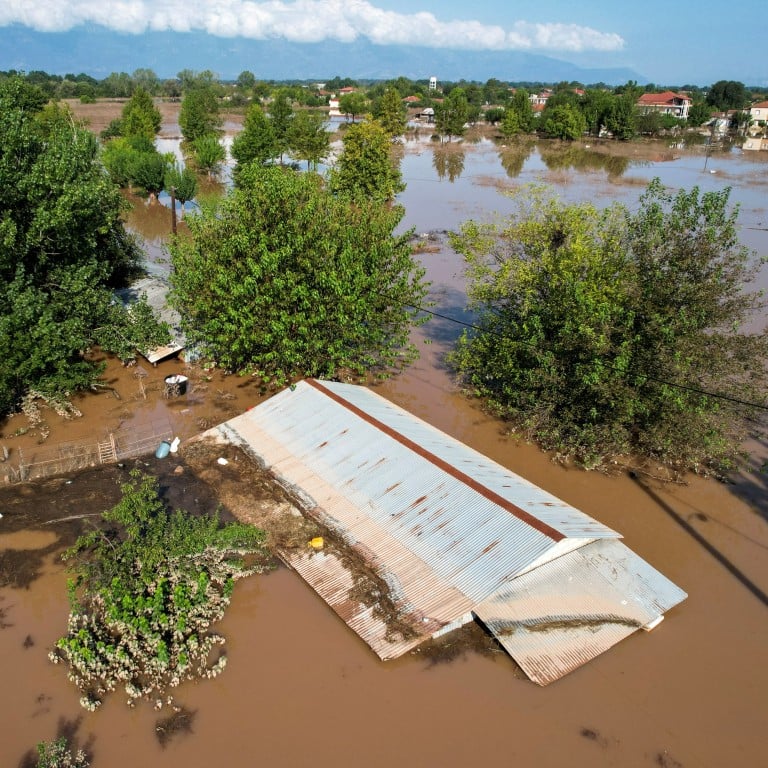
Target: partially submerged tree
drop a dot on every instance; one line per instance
(63, 249)
(390, 111)
(147, 588)
(366, 167)
(605, 332)
(353, 104)
(140, 116)
(286, 280)
(451, 116)
(209, 154)
(281, 114)
(181, 183)
(257, 141)
(199, 115)
(307, 137)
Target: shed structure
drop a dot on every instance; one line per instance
(451, 534)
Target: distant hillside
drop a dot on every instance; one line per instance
(98, 51)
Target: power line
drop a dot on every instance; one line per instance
(656, 379)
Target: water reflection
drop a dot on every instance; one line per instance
(513, 157)
(579, 158)
(448, 161)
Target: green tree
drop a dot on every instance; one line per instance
(307, 138)
(281, 114)
(596, 106)
(727, 94)
(621, 121)
(147, 80)
(353, 104)
(118, 85)
(699, 113)
(62, 250)
(493, 115)
(564, 122)
(245, 81)
(140, 116)
(451, 116)
(148, 173)
(287, 280)
(199, 115)
(182, 182)
(147, 587)
(390, 111)
(522, 119)
(209, 154)
(510, 124)
(603, 330)
(365, 167)
(256, 142)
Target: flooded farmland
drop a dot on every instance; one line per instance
(300, 688)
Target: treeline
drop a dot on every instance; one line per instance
(722, 95)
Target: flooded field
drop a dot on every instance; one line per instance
(300, 688)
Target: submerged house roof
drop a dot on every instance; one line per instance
(452, 534)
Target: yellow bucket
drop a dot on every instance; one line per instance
(317, 542)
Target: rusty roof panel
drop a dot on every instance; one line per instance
(386, 498)
(565, 613)
(546, 507)
(444, 527)
(327, 575)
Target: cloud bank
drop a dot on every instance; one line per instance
(302, 21)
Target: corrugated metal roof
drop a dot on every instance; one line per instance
(565, 613)
(335, 583)
(445, 528)
(400, 502)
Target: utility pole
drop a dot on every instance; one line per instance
(173, 209)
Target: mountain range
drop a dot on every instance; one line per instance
(98, 51)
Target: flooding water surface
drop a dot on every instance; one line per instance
(301, 689)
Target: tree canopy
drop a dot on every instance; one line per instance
(365, 167)
(452, 114)
(63, 249)
(390, 111)
(257, 141)
(286, 280)
(199, 115)
(728, 94)
(140, 116)
(603, 332)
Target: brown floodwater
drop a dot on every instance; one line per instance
(301, 689)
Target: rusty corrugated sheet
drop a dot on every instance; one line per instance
(565, 613)
(332, 580)
(443, 526)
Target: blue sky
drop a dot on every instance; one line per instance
(668, 42)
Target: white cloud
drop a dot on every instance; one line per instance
(302, 21)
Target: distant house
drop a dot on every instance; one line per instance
(667, 103)
(409, 100)
(539, 100)
(759, 112)
(755, 142)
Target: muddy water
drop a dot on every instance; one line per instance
(300, 689)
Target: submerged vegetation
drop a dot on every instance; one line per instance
(147, 588)
(608, 332)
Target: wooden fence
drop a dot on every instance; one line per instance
(69, 457)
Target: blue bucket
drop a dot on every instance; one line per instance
(163, 450)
